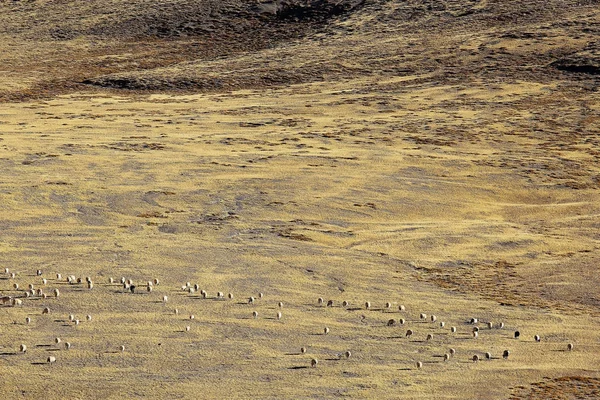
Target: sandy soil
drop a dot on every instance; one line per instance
(384, 174)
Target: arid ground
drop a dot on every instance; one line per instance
(443, 156)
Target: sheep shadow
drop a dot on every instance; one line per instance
(43, 345)
(353, 308)
(8, 354)
(52, 349)
(404, 369)
(38, 363)
(299, 367)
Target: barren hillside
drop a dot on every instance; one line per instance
(439, 156)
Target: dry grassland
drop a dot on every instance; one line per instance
(455, 194)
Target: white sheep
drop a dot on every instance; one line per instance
(123, 280)
(320, 301)
(401, 308)
(326, 331)
(537, 338)
(6, 270)
(51, 360)
(67, 346)
(39, 272)
(190, 290)
(149, 289)
(570, 346)
(230, 296)
(19, 302)
(16, 286)
(121, 348)
(368, 305)
(219, 295)
(255, 314)
(429, 336)
(90, 285)
(452, 352)
(409, 333)
(156, 282)
(250, 300)
(88, 279)
(23, 348)
(58, 276)
(473, 320)
(279, 315)
(196, 287)
(345, 303)
(203, 293)
(192, 316)
(88, 317)
(280, 304)
(423, 316)
(446, 357)
(261, 295)
(27, 320)
(303, 350)
(475, 329)
(31, 286)
(13, 275)
(176, 311)
(490, 325)
(419, 364)
(46, 310)
(475, 335)
(314, 362)
(165, 299)
(44, 281)
(433, 318)
(57, 340)
(348, 354)
(56, 293)
(187, 328)
(475, 358)
(388, 305)
(401, 321)
(501, 325)
(488, 356)
(442, 324)
(329, 303)
(71, 317)
(111, 280)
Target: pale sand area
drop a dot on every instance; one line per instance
(357, 190)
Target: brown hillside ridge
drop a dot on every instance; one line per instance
(291, 199)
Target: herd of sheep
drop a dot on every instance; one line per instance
(472, 326)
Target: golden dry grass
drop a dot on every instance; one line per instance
(460, 197)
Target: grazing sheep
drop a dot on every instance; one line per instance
(326, 331)
(250, 300)
(303, 350)
(367, 305)
(56, 293)
(190, 290)
(220, 295)
(446, 357)
(88, 317)
(6, 299)
(165, 299)
(58, 276)
(475, 329)
(13, 275)
(184, 288)
(314, 362)
(391, 322)
(409, 333)
(122, 279)
(67, 345)
(6, 270)
(121, 348)
(46, 310)
(23, 348)
(388, 305)
(348, 354)
(320, 301)
(156, 282)
(196, 287)
(279, 315)
(419, 364)
(149, 289)
(401, 321)
(255, 314)
(475, 334)
(187, 328)
(111, 280)
(27, 320)
(90, 286)
(488, 356)
(57, 340)
(230, 296)
(176, 311)
(31, 286)
(423, 316)
(401, 308)
(452, 352)
(345, 303)
(19, 302)
(570, 346)
(44, 281)
(517, 334)
(31, 293)
(329, 303)
(16, 286)
(51, 360)
(433, 318)
(76, 322)
(71, 317)
(44, 296)
(473, 320)
(88, 279)
(203, 293)
(429, 336)
(39, 272)
(192, 316)
(490, 325)
(537, 338)
(501, 325)
(442, 324)
(78, 280)
(280, 304)
(475, 358)
(505, 354)
(40, 292)
(149, 283)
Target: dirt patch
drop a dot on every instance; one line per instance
(566, 387)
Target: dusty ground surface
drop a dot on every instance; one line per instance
(440, 156)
